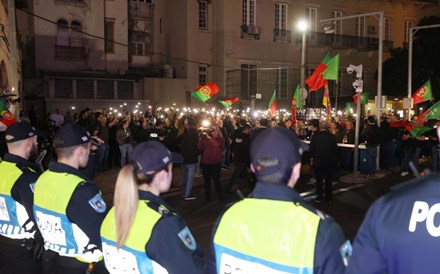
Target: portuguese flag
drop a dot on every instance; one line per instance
(364, 98)
(227, 103)
(204, 92)
(6, 117)
(273, 104)
(424, 93)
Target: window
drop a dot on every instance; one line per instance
(62, 33)
(387, 29)
(338, 24)
(248, 80)
(408, 25)
(203, 15)
(105, 89)
(84, 89)
(125, 90)
(360, 27)
(281, 82)
(109, 32)
(312, 15)
(248, 13)
(203, 74)
(280, 16)
(76, 37)
(63, 88)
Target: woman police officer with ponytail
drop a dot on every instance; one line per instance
(142, 233)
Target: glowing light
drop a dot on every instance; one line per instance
(73, 107)
(206, 123)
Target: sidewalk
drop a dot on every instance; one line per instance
(357, 178)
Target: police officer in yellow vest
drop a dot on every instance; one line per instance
(17, 223)
(275, 231)
(69, 210)
(142, 233)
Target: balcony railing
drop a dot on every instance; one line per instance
(281, 35)
(140, 10)
(250, 32)
(344, 41)
(70, 53)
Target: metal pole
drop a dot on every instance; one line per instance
(303, 62)
(356, 135)
(13, 50)
(379, 80)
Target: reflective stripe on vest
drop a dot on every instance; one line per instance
(52, 194)
(130, 258)
(266, 236)
(13, 215)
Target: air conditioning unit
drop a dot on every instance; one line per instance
(372, 29)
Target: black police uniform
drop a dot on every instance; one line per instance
(165, 247)
(87, 217)
(400, 232)
(17, 255)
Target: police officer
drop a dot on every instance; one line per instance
(17, 222)
(69, 210)
(400, 232)
(275, 230)
(142, 233)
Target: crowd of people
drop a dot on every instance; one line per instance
(58, 222)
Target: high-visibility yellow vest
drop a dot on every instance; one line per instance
(130, 258)
(266, 236)
(14, 219)
(52, 194)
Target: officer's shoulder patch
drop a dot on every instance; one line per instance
(187, 238)
(98, 204)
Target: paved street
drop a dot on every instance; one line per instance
(352, 197)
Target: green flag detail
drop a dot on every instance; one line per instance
(332, 71)
(297, 97)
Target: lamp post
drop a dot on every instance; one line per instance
(412, 31)
(302, 26)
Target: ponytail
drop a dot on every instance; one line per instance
(125, 203)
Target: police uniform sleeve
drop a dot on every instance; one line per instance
(87, 210)
(329, 240)
(366, 246)
(173, 247)
(23, 192)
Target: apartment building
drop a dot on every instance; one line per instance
(101, 53)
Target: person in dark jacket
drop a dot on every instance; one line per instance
(372, 137)
(323, 159)
(240, 149)
(188, 149)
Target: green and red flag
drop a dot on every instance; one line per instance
(273, 104)
(424, 93)
(316, 80)
(227, 103)
(6, 117)
(332, 71)
(364, 98)
(419, 131)
(296, 103)
(433, 112)
(204, 92)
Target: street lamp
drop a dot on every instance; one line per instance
(302, 26)
(412, 31)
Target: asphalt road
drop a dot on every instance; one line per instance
(353, 194)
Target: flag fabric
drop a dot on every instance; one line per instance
(273, 104)
(326, 101)
(347, 110)
(407, 125)
(424, 93)
(418, 131)
(6, 117)
(204, 92)
(433, 112)
(316, 80)
(364, 98)
(422, 117)
(297, 97)
(332, 71)
(227, 103)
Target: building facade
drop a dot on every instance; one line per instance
(100, 53)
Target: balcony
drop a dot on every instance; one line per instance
(250, 32)
(140, 10)
(319, 39)
(281, 35)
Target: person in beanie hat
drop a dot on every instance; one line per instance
(69, 209)
(18, 229)
(142, 231)
(275, 231)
